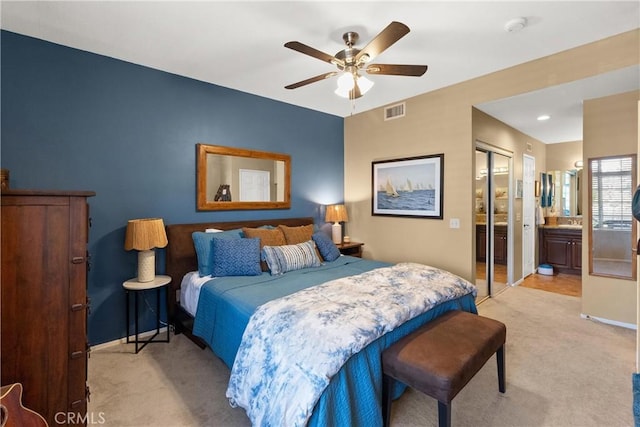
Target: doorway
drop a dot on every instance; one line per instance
(493, 207)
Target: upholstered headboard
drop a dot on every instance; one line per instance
(181, 254)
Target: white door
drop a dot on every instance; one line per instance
(254, 185)
(528, 215)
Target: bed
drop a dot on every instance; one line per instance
(241, 319)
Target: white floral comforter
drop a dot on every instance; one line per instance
(292, 346)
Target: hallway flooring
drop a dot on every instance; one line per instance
(560, 283)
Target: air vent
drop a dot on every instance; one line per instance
(394, 112)
(529, 147)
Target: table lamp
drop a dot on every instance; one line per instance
(336, 214)
(144, 235)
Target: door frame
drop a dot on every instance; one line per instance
(528, 193)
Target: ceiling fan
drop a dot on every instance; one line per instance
(350, 61)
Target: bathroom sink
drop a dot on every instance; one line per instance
(571, 226)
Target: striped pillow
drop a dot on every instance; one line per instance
(281, 259)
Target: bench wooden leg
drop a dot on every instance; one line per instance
(500, 360)
(444, 414)
(387, 394)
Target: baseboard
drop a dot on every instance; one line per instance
(610, 322)
(123, 340)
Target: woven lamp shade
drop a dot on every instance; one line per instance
(145, 234)
(336, 213)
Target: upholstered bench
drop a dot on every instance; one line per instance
(441, 357)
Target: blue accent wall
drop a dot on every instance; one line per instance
(73, 120)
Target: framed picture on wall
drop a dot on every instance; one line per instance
(410, 187)
(519, 189)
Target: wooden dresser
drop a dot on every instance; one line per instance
(44, 300)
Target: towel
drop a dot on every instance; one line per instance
(539, 216)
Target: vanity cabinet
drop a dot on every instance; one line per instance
(561, 248)
(499, 244)
(481, 242)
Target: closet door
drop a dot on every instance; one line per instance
(493, 195)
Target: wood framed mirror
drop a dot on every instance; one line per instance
(235, 179)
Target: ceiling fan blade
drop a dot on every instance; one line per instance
(391, 34)
(308, 50)
(397, 70)
(311, 80)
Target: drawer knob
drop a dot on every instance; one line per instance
(78, 307)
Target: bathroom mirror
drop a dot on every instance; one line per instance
(235, 178)
(566, 197)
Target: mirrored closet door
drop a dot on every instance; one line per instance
(492, 206)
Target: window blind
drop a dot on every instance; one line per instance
(612, 192)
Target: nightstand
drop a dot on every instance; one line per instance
(132, 285)
(351, 248)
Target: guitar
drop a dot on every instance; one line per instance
(13, 413)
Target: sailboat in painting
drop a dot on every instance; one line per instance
(409, 187)
(390, 189)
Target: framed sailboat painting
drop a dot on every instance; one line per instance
(410, 187)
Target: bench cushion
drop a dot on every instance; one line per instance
(440, 358)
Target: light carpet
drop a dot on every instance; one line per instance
(562, 370)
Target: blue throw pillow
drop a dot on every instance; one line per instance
(235, 257)
(281, 259)
(202, 244)
(327, 248)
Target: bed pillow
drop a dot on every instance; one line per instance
(235, 257)
(299, 234)
(295, 235)
(267, 236)
(281, 259)
(202, 244)
(326, 247)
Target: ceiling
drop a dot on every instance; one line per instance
(563, 103)
(239, 45)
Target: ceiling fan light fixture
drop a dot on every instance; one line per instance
(365, 84)
(347, 82)
(345, 85)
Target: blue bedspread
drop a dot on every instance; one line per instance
(226, 303)
(353, 394)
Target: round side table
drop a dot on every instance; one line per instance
(132, 285)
